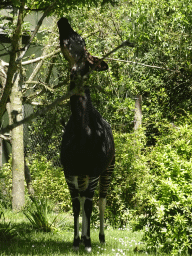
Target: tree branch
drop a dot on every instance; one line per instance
(35, 31)
(76, 90)
(28, 62)
(141, 64)
(5, 137)
(11, 73)
(41, 58)
(123, 44)
(42, 111)
(41, 83)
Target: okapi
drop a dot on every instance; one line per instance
(87, 149)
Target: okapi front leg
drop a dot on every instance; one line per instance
(76, 211)
(84, 222)
(88, 212)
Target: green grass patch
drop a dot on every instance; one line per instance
(30, 241)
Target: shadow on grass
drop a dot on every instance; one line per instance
(24, 247)
(31, 242)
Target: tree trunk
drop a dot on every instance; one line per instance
(1, 152)
(18, 195)
(3, 77)
(138, 112)
(15, 44)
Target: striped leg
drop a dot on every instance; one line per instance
(72, 182)
(84, 224)
(83, 185)
(104, 183)
(86, 200)
(102, 204)
(76, 211)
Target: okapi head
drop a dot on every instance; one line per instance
(74, 50)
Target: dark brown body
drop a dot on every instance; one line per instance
(87, 150)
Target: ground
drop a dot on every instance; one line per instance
(59, 242)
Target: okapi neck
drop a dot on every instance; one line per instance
(81, 108)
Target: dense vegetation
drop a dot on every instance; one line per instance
(151, 186)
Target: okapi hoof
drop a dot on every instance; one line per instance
(102, 238)
(88, 249)
(87, 243)
(76, 243)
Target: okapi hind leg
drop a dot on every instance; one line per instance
(104, 183)
(102, 205)
(72, 182)
(88, 211)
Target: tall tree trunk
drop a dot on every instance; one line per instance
(18, 171)
(18, 167)
(1, 152)
(3, 77)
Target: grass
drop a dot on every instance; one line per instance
(37, 214)
(59, 242)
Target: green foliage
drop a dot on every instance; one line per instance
(129, 169)
(6, 185)
(59, 5)
(128, 172)
(164, 197)
(158, 67)
(153, 183)
(37, 214)
(49, 182)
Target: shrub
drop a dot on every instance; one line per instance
(6, 185)
(49, 181)
(129, 169)
(37, 214)
(164, 197)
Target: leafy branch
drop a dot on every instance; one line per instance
(76, 90)
(14, 60)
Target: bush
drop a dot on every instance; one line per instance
(129, 169)
(37, 214)
(6, 185)
(49, 181)
(164, 197)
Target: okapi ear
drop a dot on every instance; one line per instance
(102, 65)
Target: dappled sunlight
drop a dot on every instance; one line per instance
(29, 241)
